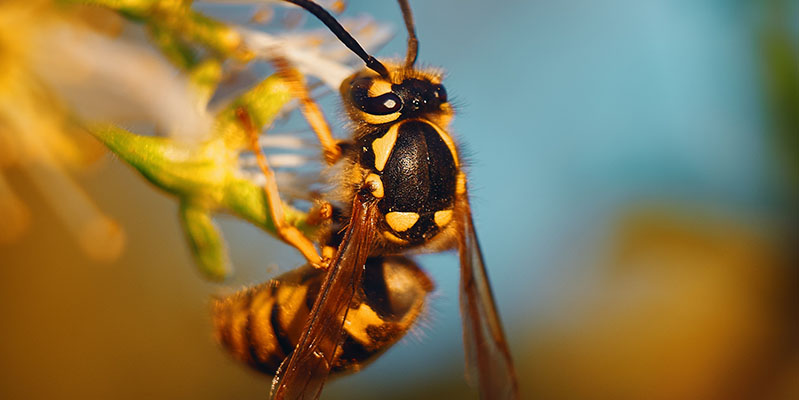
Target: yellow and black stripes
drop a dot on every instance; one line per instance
(261, 325)
(244, 325)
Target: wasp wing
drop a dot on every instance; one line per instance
(303, 374)
(487, 356)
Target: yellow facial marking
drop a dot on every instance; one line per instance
(379, 87)
(442, 217)
(401, 221)
(390, 236)
(379, 119)
(460, 184)
(376, 185)
(383, 146)
(358, 320)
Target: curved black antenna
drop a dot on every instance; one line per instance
(342, 34)
(413, 42)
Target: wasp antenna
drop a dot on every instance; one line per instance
(413, 42)
(342, 34)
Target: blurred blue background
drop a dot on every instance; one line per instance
(629, 183)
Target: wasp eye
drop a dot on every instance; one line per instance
(384, 104)
(441, 93)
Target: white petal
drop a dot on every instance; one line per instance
(118, 80)
(308, 60)
(286, 141)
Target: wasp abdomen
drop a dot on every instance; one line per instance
(247, 324)
(261, 325)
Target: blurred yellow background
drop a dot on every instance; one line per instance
(636, 180)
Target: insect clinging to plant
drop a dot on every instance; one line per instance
(401, 188)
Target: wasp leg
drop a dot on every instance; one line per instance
(289, 233)
(311, 111)
(320, 213)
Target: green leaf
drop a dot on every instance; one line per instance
(205, 177)
(262, 103)
(206, 242)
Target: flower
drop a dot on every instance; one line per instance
(36, 138)
(106, 71)
(219, 172)
(318, 53)
(108, 74)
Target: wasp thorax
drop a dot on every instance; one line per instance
(415, 163)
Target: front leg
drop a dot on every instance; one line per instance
(312, 113)
(289, 233)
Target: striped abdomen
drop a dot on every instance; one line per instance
(261, 325)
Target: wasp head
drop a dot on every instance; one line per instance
(378, 100)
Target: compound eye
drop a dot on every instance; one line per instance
(440, 93)
(384, 104)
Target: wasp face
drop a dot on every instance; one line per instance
(377, 100)
(420, 96)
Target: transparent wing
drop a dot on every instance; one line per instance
(487, 356)
(303, 374)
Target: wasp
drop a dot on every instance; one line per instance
(401, 188)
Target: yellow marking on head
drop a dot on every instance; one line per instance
(447, 140)
(442, 217)
(401, 221)
(358, 320)
(375, 185)
(379, 119)
(383, 146)
(390, 236)
(460, 183)
(379, 87)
